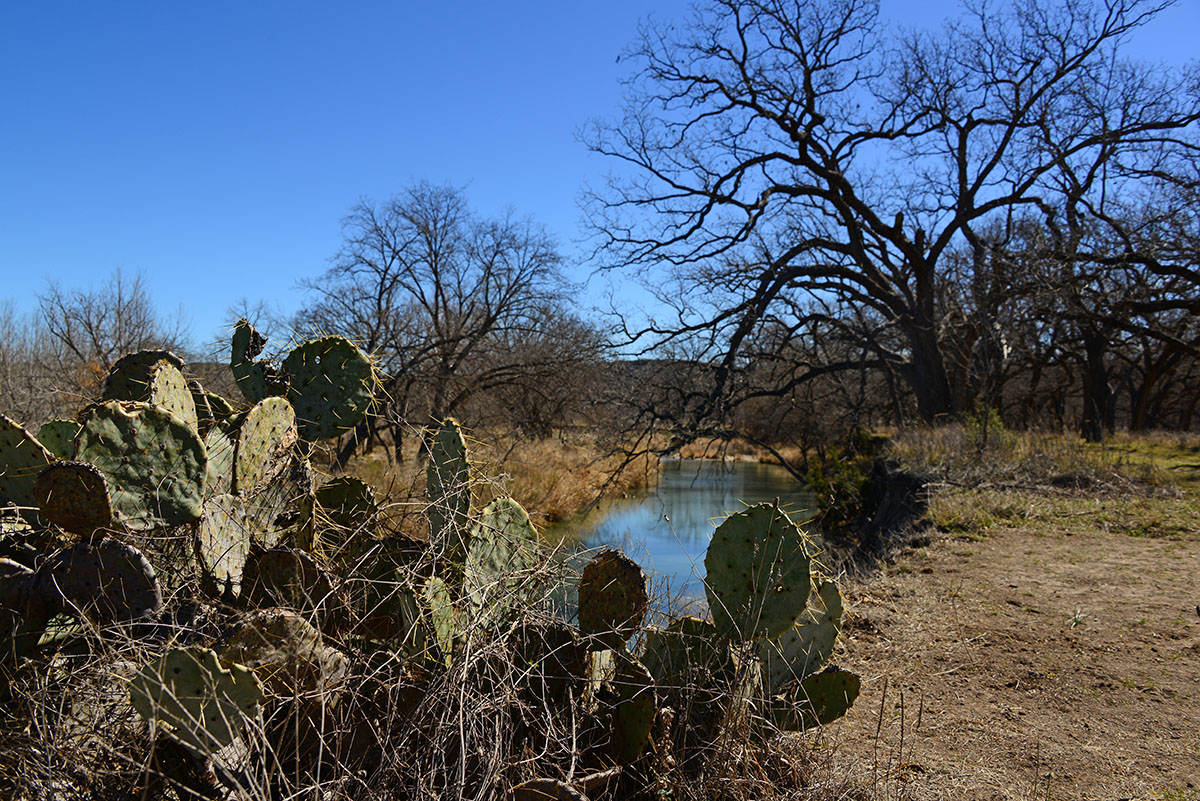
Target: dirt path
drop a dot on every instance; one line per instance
(1029, 666)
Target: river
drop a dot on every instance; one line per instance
(667, 530)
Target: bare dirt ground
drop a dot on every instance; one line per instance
(1029, 664)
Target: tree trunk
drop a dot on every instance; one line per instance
(1097, 394)
(926, 373)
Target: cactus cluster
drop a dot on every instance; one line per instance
(301, 573)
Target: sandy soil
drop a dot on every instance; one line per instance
(1029, 666)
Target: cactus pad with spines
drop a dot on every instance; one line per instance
(443, 615)
(264, 441)
(108, 581)
(286, 652)
(22, 458)
(498, 576)
(203, 703)
(153, 377)
(23, 611)
(818, 700)
(331, 383)
(256, 379)
(285, 577)
(689, 654)
(154, 463)
(349, 504)
(74, 497)
(633, 715)
(757, 574)
(222, 455)
(223, 541)
(58, 437)
(448, 489)
(806, 647)
(612, 598)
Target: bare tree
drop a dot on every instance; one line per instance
(452, 305)
(781, 152)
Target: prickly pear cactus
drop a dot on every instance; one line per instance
(74, 497)
(154, 377)
(444, 616)
(807, 646)
(23, 611)
(223, 541)
(264, 442)
(634, 711)
(448, 489)
(22, 458)
(203, 703)
(498, 577)
(285, 577)
(689, 655)
(757, 574)
(286, 652)
(331, 383)
(106, 581)
(347, 502)
(256, 379)
(818, 700)
(222, 455)
(155, 464)
(612, 598)
(58, 437)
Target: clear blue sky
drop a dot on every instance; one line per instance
(215, 146)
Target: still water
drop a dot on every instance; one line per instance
(667, 531)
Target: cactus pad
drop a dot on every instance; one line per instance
(332, 384)
(22, 458)
(757, 574)
(223, 542)
(58, 437)
(256, 379)
(819, 699)
(108, 581)
(203, 703)
(153, 377)
(264, 441)
(807, 646)
(155, 464)
(74, 497)
(612, 598)
(23, 611)
(689, 654)
(443, 614)
(448, 490)
(222, 453)
(286, 652)
(285, 577)
(633, 716)
(503, 553)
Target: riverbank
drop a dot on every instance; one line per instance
(1035, 641)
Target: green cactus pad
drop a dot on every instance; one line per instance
(23, 611)
(347, 502)
(281, 513)
(443, 614)
(223, 541)
(153, 377)
(222, 454)
(757, 574)
(107, 581)
(58, 437)
(264, 442)
(807, 646)
(550, 655)
(633, 716)
(222, 409)
(612, 598)
(498, 577)
(256, 379)
(285, 577)
(448, 490)
(74, 497)
(22, 458)
(155, 464)
(546, 790)
(332, 384)
(203, 703)
(818, 700)
(688, 654)
(286, 652)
